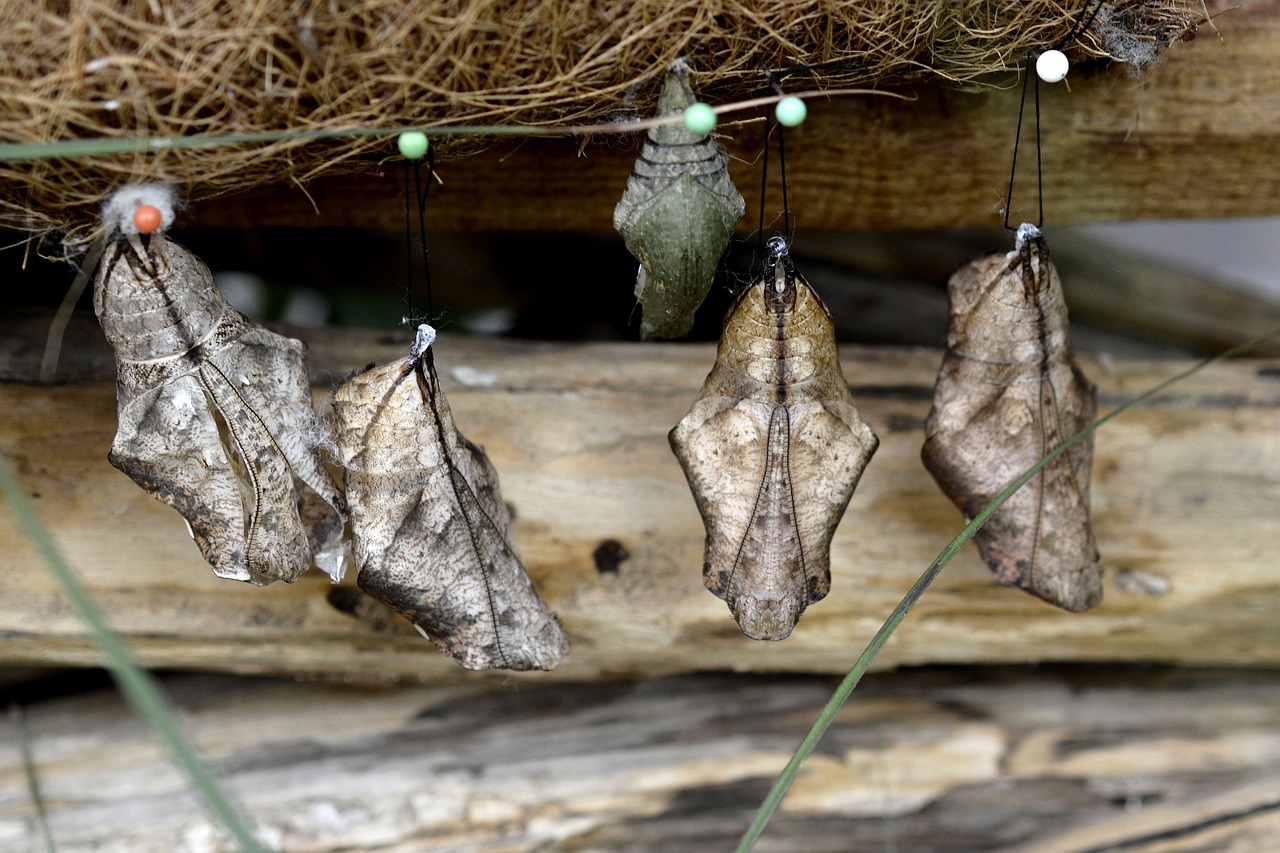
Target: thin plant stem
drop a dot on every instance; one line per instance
(841, 694)
(129, 145)
(18, 720)
(53, 342)
(137, 685)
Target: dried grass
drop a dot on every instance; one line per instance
(83, 69)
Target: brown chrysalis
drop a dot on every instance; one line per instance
(1007, 393)
(676, 215)
(431, 534)
(215, 416)
(773, 448)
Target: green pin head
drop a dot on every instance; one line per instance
(790, 111)
(412, 144)
(700, 119)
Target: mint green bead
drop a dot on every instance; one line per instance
(790, 111)
(700, 119)
(413, 144)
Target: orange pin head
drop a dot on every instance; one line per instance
(147, 218)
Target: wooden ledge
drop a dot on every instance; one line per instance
(1183, 498)
(1051, 761)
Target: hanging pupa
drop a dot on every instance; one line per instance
(1008, 392)
(676, 215)
(773, 449)
(430, 531)
(215, 412)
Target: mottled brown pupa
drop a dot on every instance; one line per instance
(773, 448)
(215, 416)
(1009, 392)
(430, 531)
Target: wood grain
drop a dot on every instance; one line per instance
(1184, 495)
(1070, 759)
(1193, 136)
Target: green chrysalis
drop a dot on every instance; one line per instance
(676, 215)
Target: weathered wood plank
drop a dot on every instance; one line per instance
(1193, 137)
(957, 760)
(1183, 499)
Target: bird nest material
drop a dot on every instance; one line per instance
(126, 69)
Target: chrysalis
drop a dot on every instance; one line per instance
(1007, 393)
(431, 534)
(773, 448)
(215, 416)
(676, 215)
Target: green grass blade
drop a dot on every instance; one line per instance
(841, 694)
(137, 685)
(70, 148)
(101, 146)
(53, 342)
(18, 719)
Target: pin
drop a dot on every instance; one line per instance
(700, 119)
(412, 144)
(790, 111)
(147, 218)
(1051, 67)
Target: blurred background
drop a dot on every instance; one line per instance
(1157, 288)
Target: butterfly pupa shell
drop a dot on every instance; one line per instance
(431, 533)
(676, 215)
(1008, 392)
(773, 448)
(215, 416)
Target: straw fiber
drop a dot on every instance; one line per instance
(87, 69)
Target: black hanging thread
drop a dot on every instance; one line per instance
(421, 188)
(769, 126)
(1088, 12)
(764, 181)
(782, 173)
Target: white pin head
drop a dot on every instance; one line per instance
(1051, 66)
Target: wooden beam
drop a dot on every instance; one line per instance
(578, 432)
(1194, 136)
(1053, 760)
